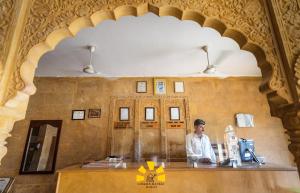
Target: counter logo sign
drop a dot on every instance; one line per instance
(152, 177)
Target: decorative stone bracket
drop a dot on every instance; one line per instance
(13, 110)
(290, 116)
(297, 73)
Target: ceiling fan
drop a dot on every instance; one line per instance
(210, 70)
(89, 69)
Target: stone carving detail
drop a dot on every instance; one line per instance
(6, 13)
(297, 73)
(290, 15)
(246, 16)
(291, 122)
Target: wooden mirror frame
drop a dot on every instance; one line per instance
(35, 123)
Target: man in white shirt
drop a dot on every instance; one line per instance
(198, 147)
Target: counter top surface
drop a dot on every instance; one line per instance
(184, 167)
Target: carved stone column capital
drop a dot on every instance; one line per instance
(290, 116)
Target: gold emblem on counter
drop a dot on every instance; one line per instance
(152, 177)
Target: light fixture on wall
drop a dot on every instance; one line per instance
(90, 68)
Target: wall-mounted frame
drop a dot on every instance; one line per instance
(141, 86)
(6, 184)
(160, 87)
(178, 87)
(94, 113)
(174, 113)
(40, 151)
(78, 114)
(244, 120)
(124, 114)
(149, 113)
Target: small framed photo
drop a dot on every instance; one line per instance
(174, 113)
(124, 113)
(141, 86)
(78, 114)
(179, 87)
(5, 184)
(244, 120)
(149, 113)
(94, 113)
(160, 87)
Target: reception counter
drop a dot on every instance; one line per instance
(178, 178)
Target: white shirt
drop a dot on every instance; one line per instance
(199, 147)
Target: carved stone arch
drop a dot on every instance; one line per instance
(15, 106)
(27, 69)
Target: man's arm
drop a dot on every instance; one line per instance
(212, 153)
(188, 146)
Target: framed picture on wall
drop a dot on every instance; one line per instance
(78, 114)
(160, 86)
(174, 113)
(5, 184)
(141, 86)
(244, 120)
(179, 87)
(94, 113)
(124, 113)
(149, 113)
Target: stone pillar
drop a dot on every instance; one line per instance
(287, 48)
(15, 108)
(290, 116)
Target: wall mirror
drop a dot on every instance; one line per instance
(41, 147)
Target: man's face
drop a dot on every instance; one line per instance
(199, 129)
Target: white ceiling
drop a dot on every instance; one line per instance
(148, 46)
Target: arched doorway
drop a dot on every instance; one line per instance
(27, 68)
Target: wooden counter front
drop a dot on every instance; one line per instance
(181, 179)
